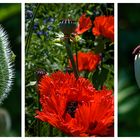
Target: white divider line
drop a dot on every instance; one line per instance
(116, 70)
(23, 67)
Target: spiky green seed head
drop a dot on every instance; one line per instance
(6, 66)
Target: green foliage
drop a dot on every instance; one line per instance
(45, 49)
(129, 93)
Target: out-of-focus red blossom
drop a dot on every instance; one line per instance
(84, 24)
(104, 25)
(87, 61)
(74, 106)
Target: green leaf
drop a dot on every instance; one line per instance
(99, 43)
(99, 77)
(32, 83)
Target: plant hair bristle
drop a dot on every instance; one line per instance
(6, 66)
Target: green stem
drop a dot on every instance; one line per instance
(39, 108)
(76, 58)
(38, 121)
(69, 52)
(86, 74)
(28, 40)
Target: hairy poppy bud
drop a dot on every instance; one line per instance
(136, 52)
(39, 74)
(6, 66)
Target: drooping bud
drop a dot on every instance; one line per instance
(39, 74)
(136, 52)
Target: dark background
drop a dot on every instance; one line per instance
(129, 93)
(10, 19)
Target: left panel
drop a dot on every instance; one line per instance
(10, 70)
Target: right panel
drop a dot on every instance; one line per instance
(129, 69)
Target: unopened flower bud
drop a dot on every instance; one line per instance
(39, 74)
(136, 52)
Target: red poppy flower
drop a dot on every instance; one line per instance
(87, 61)
(84, 24)
(74, 106)
(99, 114)
(104, 25)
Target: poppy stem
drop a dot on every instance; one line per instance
(76, 58)
(86, 74)
(39, 74)
(38, 121)
(69, 52)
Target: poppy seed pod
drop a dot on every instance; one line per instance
(68, 26)
(136, 52)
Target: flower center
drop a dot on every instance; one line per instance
(93, 125)
(71, 107)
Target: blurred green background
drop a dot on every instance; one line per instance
(129, 93)
(10, 19)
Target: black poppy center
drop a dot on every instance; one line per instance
(71, 107)
(93, 125)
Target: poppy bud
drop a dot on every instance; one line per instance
(39, 74)
(136, 52)
(6, 66)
